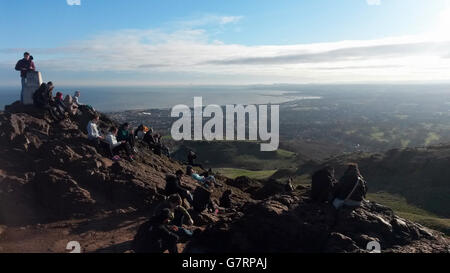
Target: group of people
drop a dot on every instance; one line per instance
(123, 139)
(166, 226)
(350, 190)
(58, 105)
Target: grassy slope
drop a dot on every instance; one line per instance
(410, 212)
(233, 173)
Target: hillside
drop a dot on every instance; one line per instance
(55, 187)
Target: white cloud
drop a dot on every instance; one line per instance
(192, 55)
(373, 2)
(73, 2)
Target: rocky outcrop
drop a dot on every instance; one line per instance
(291, 224)
(50, 171)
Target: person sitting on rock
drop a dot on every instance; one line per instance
(351, 189)
(157, 235)
(59, 105)
(173, 186)
(140, 132)
(205, 181)
(81, 106)
(322, 185)
(125, 135)
(92, 129)
(43, 95)
(181, 216)
(203, 201)
(289, 187)
(72, 108)
(116, 146)
(225, 199)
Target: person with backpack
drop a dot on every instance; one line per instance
(157, 234)
(117, 146)
(205, 181)
(24, 65)
(351, 189)
(322, 185)
(173, 186)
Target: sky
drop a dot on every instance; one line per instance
(232, 42)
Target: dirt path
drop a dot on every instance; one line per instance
(107, 233)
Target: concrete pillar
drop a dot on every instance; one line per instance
(32, 82)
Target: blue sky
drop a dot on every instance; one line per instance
(143, 42)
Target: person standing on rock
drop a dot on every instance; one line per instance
(24, 65)
(351, 189)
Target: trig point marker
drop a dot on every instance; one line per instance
(33, 81)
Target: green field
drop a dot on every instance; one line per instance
(233, 173)
(411, 212)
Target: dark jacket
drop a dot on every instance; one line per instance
(42, 96)
(24, 66)
(322, 185)
(346, 185)
(154, 237)
(173, 186)
(123, 134)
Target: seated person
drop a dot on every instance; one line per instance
(81, 106)
(116, 146)
(125, 135)
(225, 199)
(351, 188)
(71, 107)
(140, 132)
(202, 200)
(204, 180)
(181, 215)
(59, 105)
(322, 185)
(157, 235)
(173, 186)
(191, 157)
(43, 95)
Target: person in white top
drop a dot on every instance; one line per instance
(93, 133)
(76, 97)
(116, 146)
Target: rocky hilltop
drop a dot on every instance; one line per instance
(52, 179)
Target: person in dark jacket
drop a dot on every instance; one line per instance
(157, 235)
(322, 185)
(173, 186)
(191, 157)
(42, 97)
(125, 135)
(225, 200)
(202, 200)
(24, 65)
(351, 189)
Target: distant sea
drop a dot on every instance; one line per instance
(114, 99)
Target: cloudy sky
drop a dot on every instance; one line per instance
(146, 42)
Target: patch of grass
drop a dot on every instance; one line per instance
(432, 138)
(233, 173)
(411, 212)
